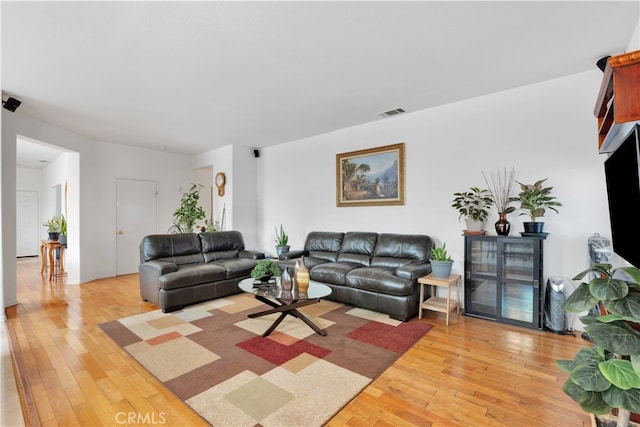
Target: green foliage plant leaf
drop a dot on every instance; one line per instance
(627, 307)
(633, 273)
(580, 300)
(603, 270)
(620, 373)
(589, 401)
(616, 337)
(627, 399)
(587, 375)
(608, 289)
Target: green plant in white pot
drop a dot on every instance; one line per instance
(473, 205)
(606, 375)
(441, 262)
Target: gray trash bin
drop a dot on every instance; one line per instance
(556, 292)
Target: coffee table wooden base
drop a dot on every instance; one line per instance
(281, 306)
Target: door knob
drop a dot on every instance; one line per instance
(120, 232)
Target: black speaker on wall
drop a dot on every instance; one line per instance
(11, 104)
(256, 153)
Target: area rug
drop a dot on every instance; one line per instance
(215, 359)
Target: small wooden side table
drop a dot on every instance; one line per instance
(443, 305)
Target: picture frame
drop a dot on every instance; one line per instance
(371, 177)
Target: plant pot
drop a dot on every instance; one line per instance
(473, 225)
(282, 249)
(63, 240)
(533, 227)
(54, 237)
(441, 269)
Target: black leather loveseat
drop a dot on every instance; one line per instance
(181, 269)
(374, 271)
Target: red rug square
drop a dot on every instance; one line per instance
(394, 338)
(277, 353)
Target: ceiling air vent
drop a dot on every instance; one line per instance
(392, 113)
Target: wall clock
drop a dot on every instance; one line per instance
(220, 182)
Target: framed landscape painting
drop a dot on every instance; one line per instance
(371, 177)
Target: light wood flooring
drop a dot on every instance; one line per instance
(473, 372)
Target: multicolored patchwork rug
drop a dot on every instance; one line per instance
(215, 359)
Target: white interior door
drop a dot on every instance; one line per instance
(27, 238)
(136, 217)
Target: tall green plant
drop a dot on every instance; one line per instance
(281, 237)
(607, 375)
(189, 211)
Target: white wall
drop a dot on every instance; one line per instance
(545, 130)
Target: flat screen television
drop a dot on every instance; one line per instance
(623, 191)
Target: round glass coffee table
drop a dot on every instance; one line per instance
(285, 303)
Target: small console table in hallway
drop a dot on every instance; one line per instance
(50, 246)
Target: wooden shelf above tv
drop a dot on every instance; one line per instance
(618, 104)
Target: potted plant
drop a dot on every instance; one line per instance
(441, 262)
(282, 241)
(63, 230)
(265, 269)
(607, 375)
(500, 186)
(474, 206)
(189, 211)
(53, 228)
(534, 200)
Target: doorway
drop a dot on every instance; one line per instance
(136, 217)
(27, 243)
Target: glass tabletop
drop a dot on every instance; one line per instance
(273, 290)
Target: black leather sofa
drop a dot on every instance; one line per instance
(374, 271)
(177, 270)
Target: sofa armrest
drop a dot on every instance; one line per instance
(157, 268)
(413, 271)
(293, 254)
(251, 254)
(149, 278)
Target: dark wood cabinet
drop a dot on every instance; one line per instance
(618, 104)
(503, 279)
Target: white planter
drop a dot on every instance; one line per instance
(474, 225)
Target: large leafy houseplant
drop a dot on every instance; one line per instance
(535, 199)
(473, 204)
(607, 375)
(189, 211)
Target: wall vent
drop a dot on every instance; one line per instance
(392, 113)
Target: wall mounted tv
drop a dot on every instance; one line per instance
(623, 191)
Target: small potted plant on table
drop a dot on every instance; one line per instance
(265, 269)
(282, 241)
(473, 205)
(53, 228)
(441, 262)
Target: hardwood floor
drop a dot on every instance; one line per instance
(473, 372)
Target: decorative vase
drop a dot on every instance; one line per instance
(302, 277)
(533, 227)
(502, 225)
(286, 282)
(441, 269)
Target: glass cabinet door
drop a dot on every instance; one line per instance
(518, 268)
(481, 283)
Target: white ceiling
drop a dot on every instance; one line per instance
(194, 76)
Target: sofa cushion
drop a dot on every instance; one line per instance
(221, 244)
(358, 247)
(236, 267)
(332, 272)
(177, 248)
(323, 245)
(379, 279)
(396, 250)
(190, 275)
